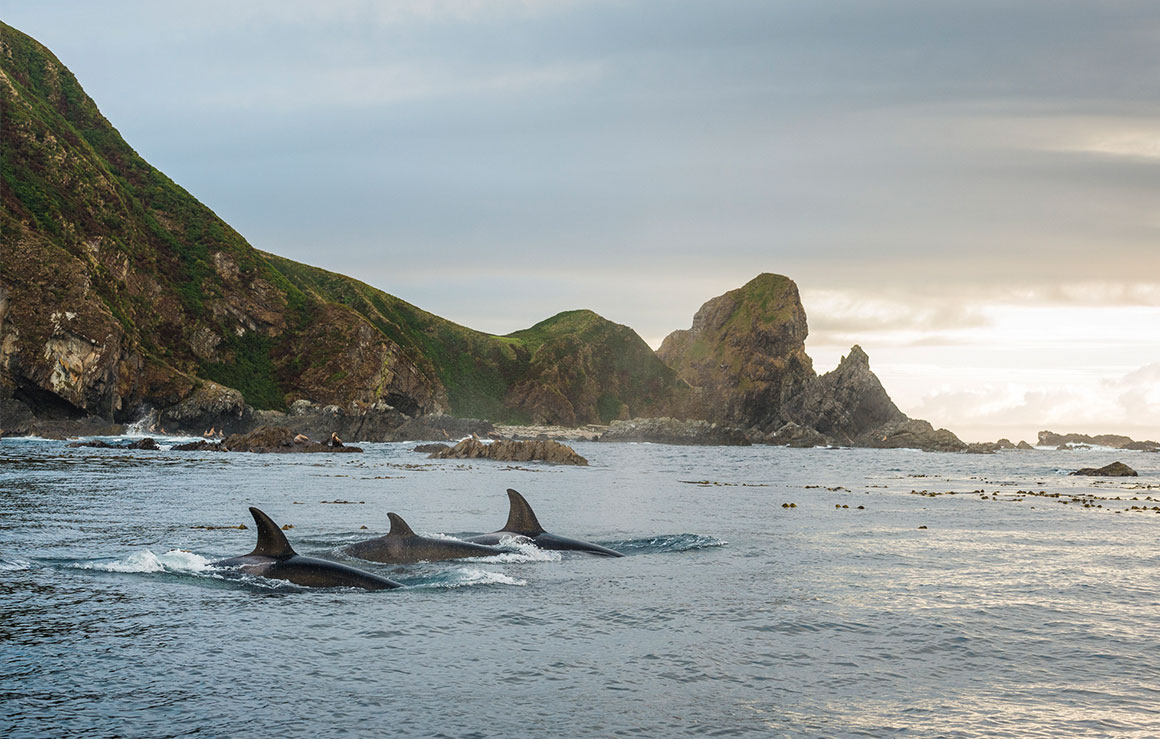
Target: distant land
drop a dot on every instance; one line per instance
(123, 297)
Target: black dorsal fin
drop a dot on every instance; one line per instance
(271, 541)
(521, 519)
(399, 527)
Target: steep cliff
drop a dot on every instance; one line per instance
(745, 354)
(746, 362)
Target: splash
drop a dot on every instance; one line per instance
(470, 577)
(522, 550)
(175, 560)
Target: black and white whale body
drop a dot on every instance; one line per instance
(401, 545)
(274, 558)
(522, 522)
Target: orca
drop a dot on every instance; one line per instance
(522, 522)
(274, 558)
(401, 545)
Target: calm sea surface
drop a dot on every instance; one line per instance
(1008, 615)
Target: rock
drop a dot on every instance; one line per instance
(146, 443)
(1004, 444)
(982, 447)
(276, 439)
(912, 434)
(513, 451)
(1024, 446)
(672, 431)
(438, 427)
(744, 354)
(354, 421)
(847, 403)
(1115, 469)
(95, 444)
(199, 446)
(798, 436)
(1115, 441)
(210, 405)
(1142, 446)
(430, 448)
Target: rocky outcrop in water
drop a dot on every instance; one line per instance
(911, 434)
(552, 452)
(745, 360)
(1115, 441)
(797, 436)
(274, 439)
(1115, 469)
(674, 431)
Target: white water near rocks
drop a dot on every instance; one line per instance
(1012, 613)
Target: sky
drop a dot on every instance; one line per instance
(968, 190)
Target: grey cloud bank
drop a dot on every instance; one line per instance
(498, 162)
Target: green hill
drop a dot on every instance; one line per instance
(119, 291)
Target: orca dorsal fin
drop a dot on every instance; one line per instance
(521, 519)
(271, 541)
(399, 527)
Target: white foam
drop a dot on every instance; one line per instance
(526, 551)
(471, 576)
(175, 560)
(14, 564)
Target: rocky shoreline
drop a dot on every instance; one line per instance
(383, 423)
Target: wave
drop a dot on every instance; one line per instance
(523, 550)
(178, 561)
(468, 577)
(14, 564)
(666, 543)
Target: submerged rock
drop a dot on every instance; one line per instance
(430, 448)
(1115, 469)
(673, 431)
(512, 451)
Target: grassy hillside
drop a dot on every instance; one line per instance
(119, 290)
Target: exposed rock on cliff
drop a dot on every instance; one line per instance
(745, 359)
(209, 406)
(673, 431)
(847, 403)
(744, 354)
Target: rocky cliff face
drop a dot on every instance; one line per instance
(745, 354)
(746, 362)
(846, 403)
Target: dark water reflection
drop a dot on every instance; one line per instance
(1011, 615)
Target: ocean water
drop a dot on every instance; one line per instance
(1012, 613)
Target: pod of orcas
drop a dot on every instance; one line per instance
(274, 558)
